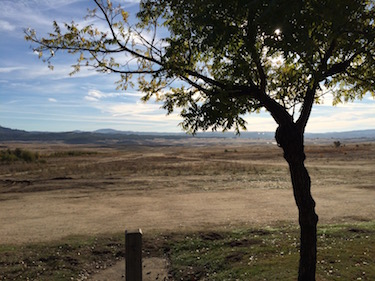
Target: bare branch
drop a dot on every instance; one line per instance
(122, 46)
(306, 107)
(338, 67)
(196, 85)
(100, 64)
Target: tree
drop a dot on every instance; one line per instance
(218, 60)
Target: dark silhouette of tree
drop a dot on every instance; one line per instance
(219, 60)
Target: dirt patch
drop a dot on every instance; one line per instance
(153, 269)
(175, 188)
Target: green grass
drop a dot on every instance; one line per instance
(345, 252)
(68, 259)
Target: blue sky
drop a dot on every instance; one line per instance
(34, 98)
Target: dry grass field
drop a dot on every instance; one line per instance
(75, 189)
(185, 187)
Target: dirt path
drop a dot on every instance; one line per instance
(45, 216)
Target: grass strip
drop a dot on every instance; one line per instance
(345, 252)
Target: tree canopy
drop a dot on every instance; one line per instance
(234, 57)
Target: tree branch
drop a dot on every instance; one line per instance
(327, 55)
(109, 24)
(251, 40)
(323, 73)
(124, 71)
(262, 74)
(196, 85)
(278, 112)
(122, 46)
(337, 68)
(205, 78)
(306, 108)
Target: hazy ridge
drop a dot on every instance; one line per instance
(116, 136)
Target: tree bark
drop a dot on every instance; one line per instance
(291, 140)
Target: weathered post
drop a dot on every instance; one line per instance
(133, 255)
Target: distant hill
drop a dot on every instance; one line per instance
(5, 131)
(79, 137)
(117, 132)
(106, 136)
(360, 134)
(110, 131)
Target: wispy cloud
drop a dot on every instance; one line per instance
(52, 100)
(40, 70)
(96, 95)
(37, 14)
(11, 69)
(132, 110)
(6, 26)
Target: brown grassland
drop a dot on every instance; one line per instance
(175, 186)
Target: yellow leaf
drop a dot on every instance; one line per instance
(124, 15)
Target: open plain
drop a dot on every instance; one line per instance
(75, 189)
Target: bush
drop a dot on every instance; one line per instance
(18, 154)
(72, 153)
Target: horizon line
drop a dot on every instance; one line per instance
(174, 133)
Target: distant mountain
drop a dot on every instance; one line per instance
(10, 131)
(117, 132)
(128, 137)
(360, 134)
(111, 131)
(79, 137)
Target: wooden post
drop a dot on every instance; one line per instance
(133, 255)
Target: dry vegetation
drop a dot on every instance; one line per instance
(182, 168)
(180, 188)
(171, 182)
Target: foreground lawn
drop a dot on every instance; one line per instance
(346, 252)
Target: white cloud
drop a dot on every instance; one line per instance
(40, 70)
(52, 100)
(6, 26)
(136, 111)
(91, 98)
(128, 109)
(260, 122)
(11, 69)
(21, 13)
(95, 95)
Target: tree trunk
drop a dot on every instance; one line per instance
(291, 141)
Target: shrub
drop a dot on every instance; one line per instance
(337, 143)
(18, 154)
(72, 153)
